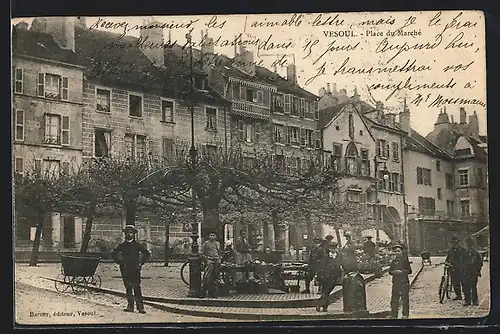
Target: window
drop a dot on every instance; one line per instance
(449, 181)
(53, 86)
(57, 129)
(295, 106)
(168, 147)
(103, 100)
(167, 111)
(249, 94)
(19, 166)
(211, 116)
(365, 162)
(450, 206)
(463, 177)
(351, 157)
(336, 156)
(394, 182)
(135, 147)
(353, 196)
(18, 80)
(465, 207)
(302, 108)
(260, 97)
(294, 135)
(65, 168)
(395, 152)
(424, 176)
(438, 165)
(65, 88)
(287, 103)
(439, 195)
(210, 150)
(382, 148)
(278, 103)
(19, 132)
(102, 143)
(279, 161)
(351, 126)
(51, 167)
(248, 132)
(426, 205)
(309, 138)
(278, 133)
(134, 105)
(315, 109)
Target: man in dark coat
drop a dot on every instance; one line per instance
(128, 256)
(329, 273)
(471, 264)
(313, 259)
(400, 269)
(369, 247)
(453, 259)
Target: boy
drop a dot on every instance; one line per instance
(400, 269)
(128, 256)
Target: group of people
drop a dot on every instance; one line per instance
(465, 268)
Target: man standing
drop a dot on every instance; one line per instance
(471, 264)
(370, 248)
(400, 269)
(211, 253)
(329, 273)
(242, 255)
(350, 263)
(128, 256)
(453, 259)
(313, 259)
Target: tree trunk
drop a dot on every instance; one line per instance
(310, 230)
(130, 211)
(88, 227)
(167, 240)
(274, 215)
(265, 234)
(211, 221)
(337, 234)
(38, 236)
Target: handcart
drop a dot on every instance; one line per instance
(78, 272)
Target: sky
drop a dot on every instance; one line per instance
(327, 42)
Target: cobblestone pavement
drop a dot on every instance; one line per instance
(424, 302)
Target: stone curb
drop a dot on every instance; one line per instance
(292, 303)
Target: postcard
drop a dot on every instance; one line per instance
(243, 168)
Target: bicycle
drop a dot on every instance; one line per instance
(445, 284)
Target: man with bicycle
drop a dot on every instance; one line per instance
(211, 254)
(453, 261)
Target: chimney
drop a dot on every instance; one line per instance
(291, 74)
(391, 119)
(207, 44)
(334, 91)
(355, 95)
(463, 116)
(342, 95)
(473, 125)
(404, 118)
(62, 28)
(328, 90)
(152, 32)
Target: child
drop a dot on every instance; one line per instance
(400, 269)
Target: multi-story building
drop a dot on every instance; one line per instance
(365, 145)
(447, 182)
(47, 116)
(130, 103)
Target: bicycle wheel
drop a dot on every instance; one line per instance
(185, 273)
(448, 286)
(95, 281)
(79, 284)
(61, 283)
(442, 289)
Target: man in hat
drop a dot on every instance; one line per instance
(329, 273)
(313, 260)
(350, 262)
(128, 256)
(400, 269)
(453, 259)
(471, 264)
(211, 254)
(369, 248)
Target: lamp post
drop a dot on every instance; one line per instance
(194, 258)
(377, 207)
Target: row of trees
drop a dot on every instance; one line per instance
(226, 183)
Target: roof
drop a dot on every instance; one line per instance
(262, 75)
(479, 151)
(40, 45)
(418, 143)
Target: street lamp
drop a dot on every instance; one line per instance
(194, 258)
(377, 207)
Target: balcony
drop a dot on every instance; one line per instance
(429, 214)
(250, 109)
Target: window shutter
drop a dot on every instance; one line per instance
(315, 110)
(318, 139)
(65, 88)
(266, 97)
(243, 95)
(306, 109)
(287, 135)
(65, 139)
(302, 108)
(387, 149)
(287, 103)
(41, 84)
(256, 132)
(241, 130)
(302, 137)
(358, 161)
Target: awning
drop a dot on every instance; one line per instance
(482, 231)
